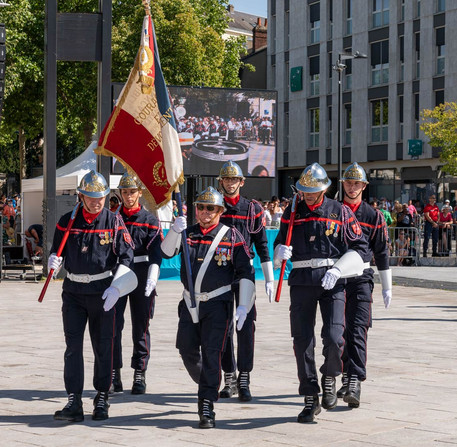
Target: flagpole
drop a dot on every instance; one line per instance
(190, 283)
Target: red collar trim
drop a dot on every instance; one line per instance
(89, 217)
(129, 212)
(232, 201)
(317, 205)
(354, 206)
(207, 230)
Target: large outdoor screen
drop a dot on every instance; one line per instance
(216, 125)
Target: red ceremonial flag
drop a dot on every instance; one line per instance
(141, 131)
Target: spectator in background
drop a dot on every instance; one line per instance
(113, 204)
(276, 211)
(431, 217)
(386, 214)
(412, 209)
(9, 212)
(404, 217)
(394, 213)
(445, 222)
(401, 247)
(35, 231)
(454, 215)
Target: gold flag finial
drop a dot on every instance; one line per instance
(147, 8)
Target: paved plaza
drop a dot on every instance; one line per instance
(408, 398)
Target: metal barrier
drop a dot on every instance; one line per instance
(447, 240)
(405, 245)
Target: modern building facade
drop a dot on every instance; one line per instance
(409, 66)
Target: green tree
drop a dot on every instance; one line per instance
(440, 124)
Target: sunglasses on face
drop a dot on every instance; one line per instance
(201, 207)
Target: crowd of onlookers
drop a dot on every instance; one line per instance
(10, 209)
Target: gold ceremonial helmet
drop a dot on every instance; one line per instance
(94, 185)
(210, 196)
(230, 169)
(355, 172)
(313, 179)
(129, 181)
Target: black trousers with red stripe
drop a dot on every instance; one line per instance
(141, 312)
(358, 321)
(202, 344)
(303, 308)
(77, 310)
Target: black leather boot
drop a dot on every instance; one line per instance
(230, 387)
(206, 413)
(344, 386)
(312, 408)
(116, 382)
(139, 382)
(101, 406)
(244, 394)
(352, 396)
(329, 398)
(73, 411)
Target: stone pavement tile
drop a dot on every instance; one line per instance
(407, 399)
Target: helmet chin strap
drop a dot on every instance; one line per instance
(318, 198)
(356, 197)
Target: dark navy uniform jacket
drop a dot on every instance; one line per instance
(146, 234)
(320, 234)
(93, 248)
(374, 228)
(247, 217)
(217, 274)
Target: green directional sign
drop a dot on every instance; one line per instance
(415, 148)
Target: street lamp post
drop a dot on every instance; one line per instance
(340, 67)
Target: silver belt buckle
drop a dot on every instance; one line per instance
(85, 279)
(314, 263)
(203, 297)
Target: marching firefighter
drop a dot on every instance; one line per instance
(247, 217)
(98, 246)
(146, 234)
(360, 288)
(327, 245)
(218, 254)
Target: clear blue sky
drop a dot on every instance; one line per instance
(255, 7)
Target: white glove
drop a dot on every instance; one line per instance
(180, 224)
(54, 262)
(150, 286)
(269, 288)
(330, 278)
(110, 296)
(387, 297)
(284, 252)
(240, 316)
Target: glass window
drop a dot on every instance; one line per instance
(439, 97)
(416, 115)
(440, 5)
(329, 136)
(348, 124)
(314, 75)
(400, 117)
(348, 72)
(380, 13)
(401, 42)
(330, 19)
(402, 10)
(418, 55)
(315, 23)
(440, 51)
(380, 62)
(348, 17)
(314, 128)
(379, 121)
(418, 8)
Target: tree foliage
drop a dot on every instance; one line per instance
(192, 51)
(440, 126)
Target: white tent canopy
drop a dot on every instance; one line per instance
(68, 176)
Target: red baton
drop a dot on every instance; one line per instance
(61, 247)
(288, 239)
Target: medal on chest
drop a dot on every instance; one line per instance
(105, 238)
(222, 256)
